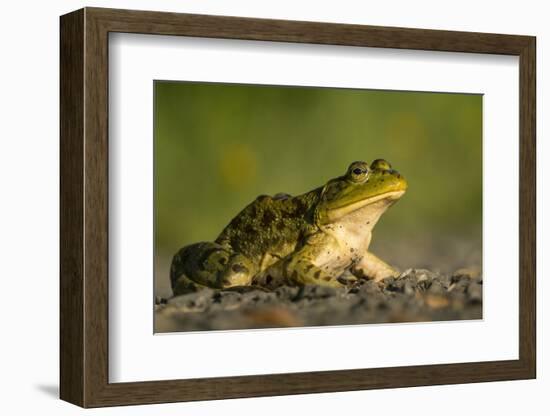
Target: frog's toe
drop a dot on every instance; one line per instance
(238, 272)
(232, 278)
(247, 289)
(184, 285)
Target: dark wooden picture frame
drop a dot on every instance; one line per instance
(84, 207)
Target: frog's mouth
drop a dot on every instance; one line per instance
(343, 210)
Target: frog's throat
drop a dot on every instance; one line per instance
(339, 212)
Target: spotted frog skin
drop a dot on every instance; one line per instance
(311, 238)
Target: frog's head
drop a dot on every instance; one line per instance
(364, 192)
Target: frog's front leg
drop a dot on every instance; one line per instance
(371, 267)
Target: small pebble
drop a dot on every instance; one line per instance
(416, 295)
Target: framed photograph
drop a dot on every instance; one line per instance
(254, 207)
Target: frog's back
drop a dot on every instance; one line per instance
(273, 225)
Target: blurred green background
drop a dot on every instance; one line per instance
(218, 146)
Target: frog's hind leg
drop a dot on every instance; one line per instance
(208, 264)
(371, 267)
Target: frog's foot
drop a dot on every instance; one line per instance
(184, 285)
(247, 289)
(208, 265)
(372, 268)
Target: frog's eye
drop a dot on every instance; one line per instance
(359, 174)
(358, 171)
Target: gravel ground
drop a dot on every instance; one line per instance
(418, 295)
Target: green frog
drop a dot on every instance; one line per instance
(313, 238)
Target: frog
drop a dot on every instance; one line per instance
(320, 237)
